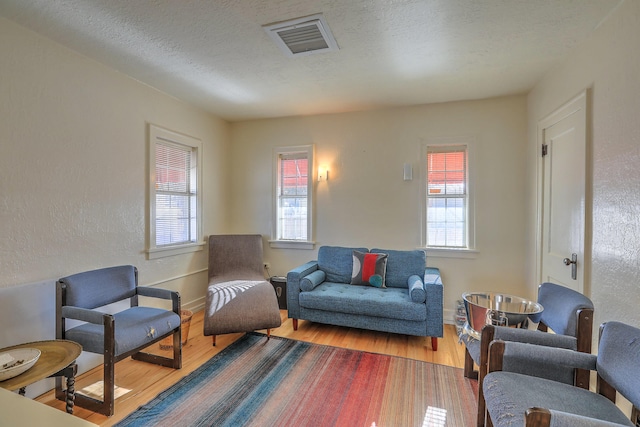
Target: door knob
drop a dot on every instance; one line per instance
(573, 262)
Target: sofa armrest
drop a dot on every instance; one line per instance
(433, 288)
(293, 286)
(432, 276)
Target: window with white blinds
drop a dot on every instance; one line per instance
(294, 194)
(447, 197)
(174, 193)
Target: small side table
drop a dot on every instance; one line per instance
(57, 359)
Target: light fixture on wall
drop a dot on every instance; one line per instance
(408, 172)
(323, 173)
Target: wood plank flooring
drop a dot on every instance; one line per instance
(146, 380)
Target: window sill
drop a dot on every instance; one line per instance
(155, 253)
(451, 253)
(292, 244)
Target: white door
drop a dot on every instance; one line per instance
(564, 203)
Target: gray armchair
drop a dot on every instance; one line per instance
(567, 312)
(514, 398)
(116, 336)
(238, 299)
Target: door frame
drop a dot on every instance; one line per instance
(579, 103)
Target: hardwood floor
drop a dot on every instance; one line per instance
(147, 380)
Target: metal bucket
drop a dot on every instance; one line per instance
(488, 308)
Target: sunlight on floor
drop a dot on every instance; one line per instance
(96, 390)
(435, 417)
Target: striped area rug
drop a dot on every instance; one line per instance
(282, 382)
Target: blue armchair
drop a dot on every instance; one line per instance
(115, 336)
(567, 312)
(514, 398)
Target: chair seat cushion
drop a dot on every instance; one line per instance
(508, 395)
(133, 327)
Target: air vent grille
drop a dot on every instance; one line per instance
(302, 36)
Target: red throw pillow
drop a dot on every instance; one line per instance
(369, 269)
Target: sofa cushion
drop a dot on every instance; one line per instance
(312, 280)
(392, 303)
(337, 262)
(401, 265)
(369, 269)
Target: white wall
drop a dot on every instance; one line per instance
(73, 144)
(367, 203)
(609, 63)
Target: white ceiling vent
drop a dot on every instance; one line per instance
(302, 36)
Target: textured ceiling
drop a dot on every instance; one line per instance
(215, 53)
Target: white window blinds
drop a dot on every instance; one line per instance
(175, 194)
(447, 196)
(293, 190)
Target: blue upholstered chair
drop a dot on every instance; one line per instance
(516, 399)
(81, 297)
(567, 312)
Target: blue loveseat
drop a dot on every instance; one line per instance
(411, 303)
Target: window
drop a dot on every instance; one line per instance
(174, 193)
(448, 213)
(294, 197)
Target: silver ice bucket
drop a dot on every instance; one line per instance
(488, 308)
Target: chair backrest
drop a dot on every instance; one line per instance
(235, 257)
(97, 288)
(618, 360)
(561, 305)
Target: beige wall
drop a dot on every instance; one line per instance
(73, 143)
(367, 203)
(609, 63)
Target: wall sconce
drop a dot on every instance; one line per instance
(323, 173)
(408, 172)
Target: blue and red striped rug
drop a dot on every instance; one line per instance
(282, 382)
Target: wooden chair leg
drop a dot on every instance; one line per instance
(109, 383)
(469, 372)
(295, 324)
(434, 343)
(268, 333)
(213, 340)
